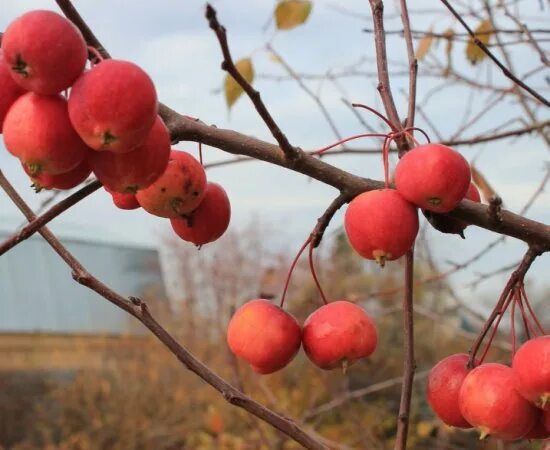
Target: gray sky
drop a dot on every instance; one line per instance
(172, 42)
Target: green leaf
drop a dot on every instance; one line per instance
(291, 13)
(483, 32)
(232, 89)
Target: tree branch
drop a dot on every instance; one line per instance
(488, 52)
(48, 216)
(290, 152)
(413, 63)
(408, 355)
(324, 221)
(139, 310)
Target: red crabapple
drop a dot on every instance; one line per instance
(37, 130)
(444, 382)
(138, 169)
(45, 52)
(124, 201)
(338, 334)
(381, 225)
(264, 335)
(178, 191)
(489, 400)
(433, 177)
(113, 106)
(66, 180)
(531, 364)
(209, 221)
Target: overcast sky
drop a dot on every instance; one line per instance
(172, 42)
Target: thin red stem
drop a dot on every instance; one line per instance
(513, 326)
(421, 131)
(495, 326)
(386, 161)
(314, 275)
(342, 141)
(529, 331)
(289, 275)
(372, 110)
(96, 53)
(533, 315)
(200, 153)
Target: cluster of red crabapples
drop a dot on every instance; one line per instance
(106, 122)
(381, 225)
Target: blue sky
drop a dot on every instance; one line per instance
(172, 42)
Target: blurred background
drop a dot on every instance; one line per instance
(75, 373)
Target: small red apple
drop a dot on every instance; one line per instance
(45, 52)
(338, 334)
(489, 400)
(9, 90)
(444, 382)
(113, 106)
(381, 225)
(124, 201)
(138, 169)
(264, 335)
(67, 180)
(209, 221)
(178, 191)
(433, 177)
(531, 364)
(37, 130)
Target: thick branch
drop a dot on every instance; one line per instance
(48, 216)
(139, 310)
(228, 65)
(408, 356)
(488, 52)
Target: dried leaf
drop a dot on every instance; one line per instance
(483, 185)
(424, 46)
(291, 13)
(483, 32)
(449, 36)
(275, 58)
(232, 89)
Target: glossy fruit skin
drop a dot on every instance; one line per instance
(433, 177)
(381, 225)
(63, 181)
(444, 382)
(138, 169)
(264, 335)
(209, 221)
(489, 400)
(9, 90)
(178, 191)
(338, 334)
(531, 364)
(37, 130)
(113, 106)
(45, 51)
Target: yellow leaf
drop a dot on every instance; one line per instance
(291, 13)
(482, 184)
(424, 46)
(232, 89)
(449, 35)
(483, 32)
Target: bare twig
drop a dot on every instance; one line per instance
(488, 52)
(48, 216)
(413, 63)
(324, 220)
(408, 356)
(228, 65)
